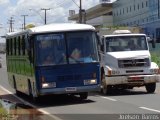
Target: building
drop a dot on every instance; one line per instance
(144, 14)
(97, 16)
(141, 13)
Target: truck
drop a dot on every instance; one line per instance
(126, 63)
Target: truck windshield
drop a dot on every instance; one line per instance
(126, 43)
(66, 48)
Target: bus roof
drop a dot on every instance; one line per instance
(57, 27)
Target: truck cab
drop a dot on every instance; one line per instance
(126, 62)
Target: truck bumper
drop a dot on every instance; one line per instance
(133, 80)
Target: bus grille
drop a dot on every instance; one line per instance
(133, 63)
(69, 77)
(74, 77)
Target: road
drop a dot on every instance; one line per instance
(97, 106)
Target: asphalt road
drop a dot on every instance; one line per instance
(97, 106)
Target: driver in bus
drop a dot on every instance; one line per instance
(48, 60)
(75, 55)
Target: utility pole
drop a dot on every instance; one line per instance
(80, 12)
(21, 27)
(45, 11)
(11, 22)
(24, 24)
(158, 10)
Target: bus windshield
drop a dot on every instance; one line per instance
(66, 48)
(126, 43)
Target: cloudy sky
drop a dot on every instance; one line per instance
(58, 12)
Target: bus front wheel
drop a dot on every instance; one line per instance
(83, 95)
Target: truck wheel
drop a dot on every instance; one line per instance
(150, 87)
(106, 90)
(84, 95)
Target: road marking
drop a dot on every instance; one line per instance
(158, 111)
(41, 110)
(111, 99)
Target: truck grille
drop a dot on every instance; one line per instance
(134, 63)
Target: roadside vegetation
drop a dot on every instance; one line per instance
(3, 111)
(155, 54)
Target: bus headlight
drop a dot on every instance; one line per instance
(49, 85)
(90, 82)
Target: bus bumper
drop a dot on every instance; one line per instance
(69, 90)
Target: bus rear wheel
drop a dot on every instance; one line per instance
(83, 96)
(15, 87)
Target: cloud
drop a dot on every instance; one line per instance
(4, 2)
(59, 10)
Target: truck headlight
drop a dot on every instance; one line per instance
(154, 71)
(90, 82)
(113, 72)
(49, 85)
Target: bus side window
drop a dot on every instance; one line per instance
(29, 47)
(7, 46)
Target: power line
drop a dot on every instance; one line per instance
(76, 3)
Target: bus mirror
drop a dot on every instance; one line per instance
(30, 56)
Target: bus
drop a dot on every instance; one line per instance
(53, 59)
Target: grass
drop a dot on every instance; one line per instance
(155, 54)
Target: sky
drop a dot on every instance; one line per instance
(59, 10)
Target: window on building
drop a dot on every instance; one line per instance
(138, 6)
(130, 8)
(142, 5)
(146, 3)
(134, 7)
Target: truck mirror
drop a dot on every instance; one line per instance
(151, 41)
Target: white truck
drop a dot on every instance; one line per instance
(126, 62)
